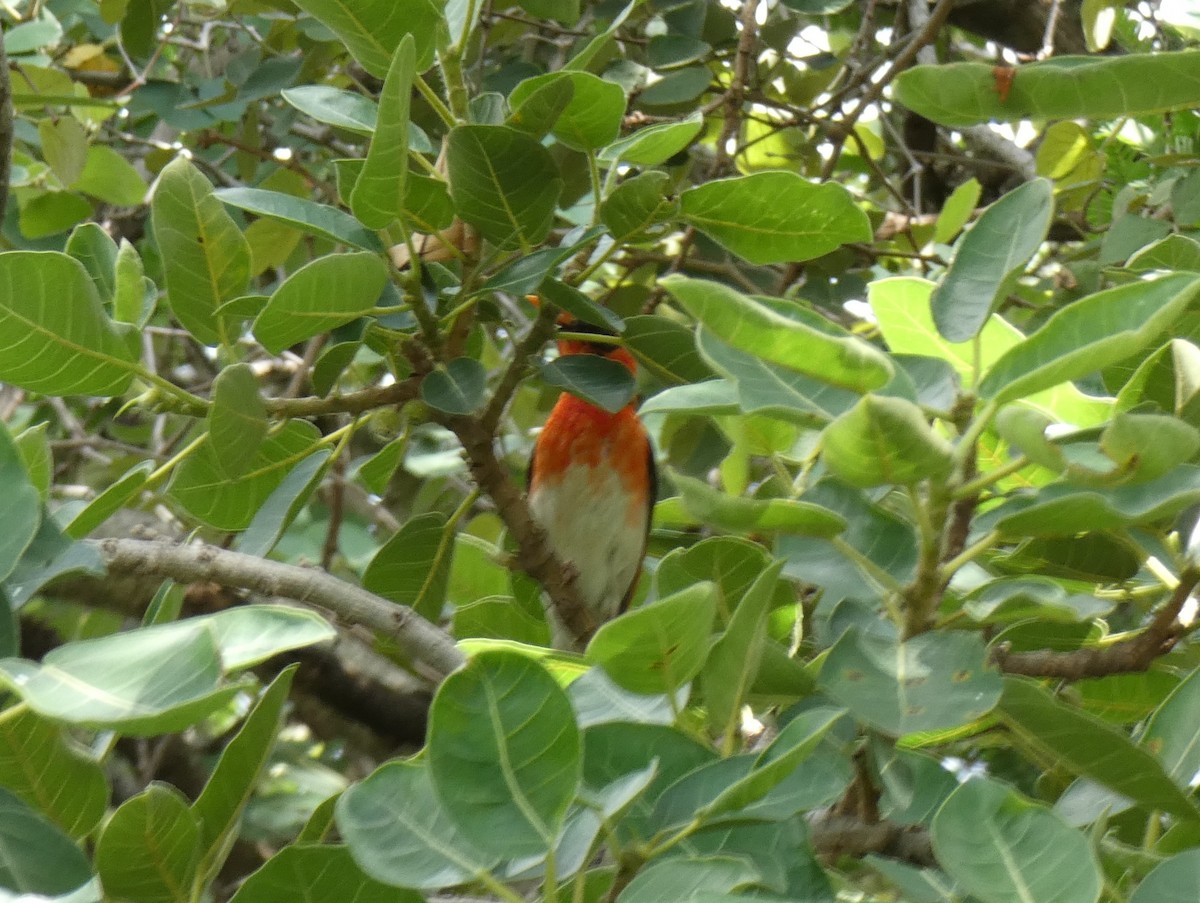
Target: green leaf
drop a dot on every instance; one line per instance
(930, 682)
(52, 213)
(111, 500)
(44, 768)
(605, 383)
(399, 832)
(637, 204)
(504, 183)
(33, 445)
(149, 850)
(1065, 87)
(1172, 881)
(1088, 335)
(504, 753)
(248, 635)
(55, 337)
(654, 144)
(200, 486)
(713, 396)
(310, 873)
(95, 249)
(457, 388)
(1012, 599)
(413, 567)
(378, 196)
(540, 106)
(50, 555)
(989, 257)
(111, 178)
(371, 29)
(281, 507)
(1062, 509)
(1175, 253)
(1090, 747)
(321, 296)
(757, 329)
(303, 214)
(218, 809)
(1003, 849)
(901, 305)
(732, 664)
(590, 119)
(775, 217)
(885, 440)
(748, 515)
(1147, 446)
(690, 880)
(205, 257)
(571, 300)
(1173, 734)
(659, 647)
(64, 145)
(20, 506)
(35, 856)
(333, 106)
(957, 210)
(237, 420)
(133, 295)
(149, 681)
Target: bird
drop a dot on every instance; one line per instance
(592, 486)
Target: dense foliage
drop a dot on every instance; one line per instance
(914, 289)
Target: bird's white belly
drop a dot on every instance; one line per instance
(594, 523)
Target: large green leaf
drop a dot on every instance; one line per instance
(205, 257)
(1091, 748)
(1089, 335)
(312, 873)
(1173, 734)
(884, 440)
(661, 646)
(457, 388)
(219, 807)
(1062, 509)
(237, 420)
(1064, 87)
(592, 117)
(95, 249)
(248, 635)
(51, 554)
(755, 328)
(283, 504)
(1173, 881)
(989, 256)
(303, 214)
(372, 29)
(637, 204)
(200, 485)
(504, 183)
(775, 217)
(55, 337)
(691, 880)
(320, 296)
(749, 515)
(42, 766)
(399, 832)
(342, 109)
(378, 195)
(20, 506)
(654, 144)
(504, 753)
(150, 681)
(35, 856)
(927, 683)
(412, 568)
(1004, 849)
(605, 383)
(732, 664)
(901, 305)
(149, 850)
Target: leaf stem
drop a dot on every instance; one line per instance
(983, 481)
(434, 101)
(970, 553)
(885, 580)
(165, 470)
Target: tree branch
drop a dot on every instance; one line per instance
(1134, 654)
(193, 563)
(534, 555)
(350, 403)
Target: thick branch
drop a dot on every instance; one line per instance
(195, 563)
(1134, 654)
(540, 332)
(833, 836)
